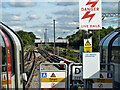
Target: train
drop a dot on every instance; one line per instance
(110, 54)
(11, 59)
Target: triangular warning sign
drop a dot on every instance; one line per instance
(53, 75)
(4, 78)
(87, 43)
(101, 76)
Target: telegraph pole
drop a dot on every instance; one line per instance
(44, 39)
(45, 36)
(54, 34)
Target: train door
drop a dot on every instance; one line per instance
(5, 62)
(3, 59)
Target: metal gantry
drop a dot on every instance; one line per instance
(110, 15)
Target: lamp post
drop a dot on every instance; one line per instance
(54, 34)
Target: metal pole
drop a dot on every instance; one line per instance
(99, 34)
(45, 37)
(54, 34)
(84, 84)
(44, 40)
(87, 34)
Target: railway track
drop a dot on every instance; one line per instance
(50, 58)
(32, 61)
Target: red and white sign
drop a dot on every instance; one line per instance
(90, 16)
(102, 85)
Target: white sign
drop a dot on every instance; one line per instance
(105, 81)
(53, 79)
(77, 71)
(90, 16)
(87, 42)
(91, 65)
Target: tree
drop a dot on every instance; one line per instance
(27, 37)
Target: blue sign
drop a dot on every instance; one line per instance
(109, 75)
(44, 75)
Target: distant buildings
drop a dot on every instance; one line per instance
(58, 42)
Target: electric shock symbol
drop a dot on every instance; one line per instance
(87, 14)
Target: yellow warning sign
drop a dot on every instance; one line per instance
(4, 77)
(87, 43)
(102, 80)
(53, 75)
(101, 76)
(4, 81)
(52, 79)
(88, 49)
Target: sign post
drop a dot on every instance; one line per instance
(53, 79)
(90, 18)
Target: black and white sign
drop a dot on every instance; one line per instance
(76, 72)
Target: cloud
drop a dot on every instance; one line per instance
(68, 12)
(110, 0)
(15, 23)
(110, 7)
(16, 18)
(39, 30)
(64, 19)
(22, 4)
(0, 4)
(48, 17)
(33, 17)
(67, 3)
(16, 28)
(11, 17)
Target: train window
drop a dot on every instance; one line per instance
(0, 60)
(116, 50)
(4, 57)
(104, 54)
(20, 62)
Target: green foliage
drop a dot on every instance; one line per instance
(76, 39)
(28, 38)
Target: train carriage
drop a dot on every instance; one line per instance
(110, 54)
(11, 59)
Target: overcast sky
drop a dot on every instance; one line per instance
(37, 16)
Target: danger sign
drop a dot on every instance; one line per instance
(88, 45)
(53, 79)
(90, 16)
(53, 75)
